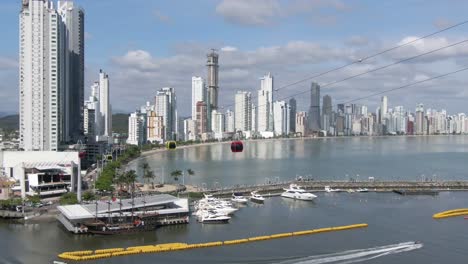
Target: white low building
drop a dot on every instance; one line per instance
(44, 173)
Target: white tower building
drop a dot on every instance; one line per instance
(198, 94)
(281, 113)
(265, 104)
(383, 109)
(40, 76)
(243, 111)
(165, 106)
(105, 107)
(230, 121)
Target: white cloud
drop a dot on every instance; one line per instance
(161, 17)
(246, 12)
(267, 12)
(228, 49)
(8, 63)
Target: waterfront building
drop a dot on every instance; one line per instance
(166, 107)
(254, 118)
(419, 122)
(243, 111)
(72, 56)
(136, 129)
(327, 109)
(301, 123)
(198, 94)
(230, 121)
(190, 129)
(154, 127)
(105, 107)
(314, 110)
(281, 114)
(292, 116)
(383, 109)
(202, 118)
(41, 77)
(265, 104)
(43, 173)
(166, 208)
(217, 124)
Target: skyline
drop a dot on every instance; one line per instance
(292, 56)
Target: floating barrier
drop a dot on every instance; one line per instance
(451, 213)
(160, 248)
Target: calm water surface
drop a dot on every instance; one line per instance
(392, 219)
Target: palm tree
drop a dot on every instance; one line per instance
(130, 178)
(149, 175)
(190, 172)
(176, 174)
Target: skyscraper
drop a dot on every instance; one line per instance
(72, 54)
(314, 110)
(198, 94)
(301, 123)
(135, 129)
(265, 104)
(40, 76)
(326, 112)
(165, 106)
(105, 107)
(383, 109)
(292, 116)
(230, 121)
(281, 114)
(243, 111)
(419, 119)
(202, 117)
(212, 80)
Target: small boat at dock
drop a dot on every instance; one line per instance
(297, 193)
(362, 190)
(256, 198)
(211, 218)
(329, 189)
(239, 198)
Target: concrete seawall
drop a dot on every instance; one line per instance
(318, 186)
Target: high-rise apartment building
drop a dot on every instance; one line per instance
(212, 80)
(40, 76)
(419, 122)
(301, 123)
(198, 94)
(292, 116)
(326, 113)
(230, 121)
(105, 107)
(72, 59)
(383, 109)
(281, 114)
(135, 129)
(202, 118)
(166, 107)
(243, 111)
(265, 104)
(314, 110)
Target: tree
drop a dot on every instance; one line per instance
(68, 198)
(34, 199)
(149, 175)
(131, 177)
(89, 196)
(176, 174)
(190, 172)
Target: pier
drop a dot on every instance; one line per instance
(319, 186)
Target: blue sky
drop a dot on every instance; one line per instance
(146, 44)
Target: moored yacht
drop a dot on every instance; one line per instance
(330, 189)
(295, 192)
(238, 198)
(257, 198)
(210, 218)
(362, 190)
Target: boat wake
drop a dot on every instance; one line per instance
(357, 255)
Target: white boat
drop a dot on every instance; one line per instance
(329, 189)
(351, 190)
(295, 192)
(210, 218)
(362, 190)
(257, 198)
(238, 198)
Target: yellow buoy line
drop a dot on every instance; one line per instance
(159, 248)
(451, 213)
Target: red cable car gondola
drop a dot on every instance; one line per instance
(237, 146)
(82, 154)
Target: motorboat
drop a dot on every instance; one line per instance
(329, 189)
(257, 198)
(210, 218)
(362, 190)
(297, 193)
(351, 190)
(238, 198)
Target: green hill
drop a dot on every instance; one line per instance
(119, 123)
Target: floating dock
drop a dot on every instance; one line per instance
(86, 255)
(451, 213)
(416, 192)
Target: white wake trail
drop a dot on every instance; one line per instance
(358, 255)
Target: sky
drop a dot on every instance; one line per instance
(145, 45)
